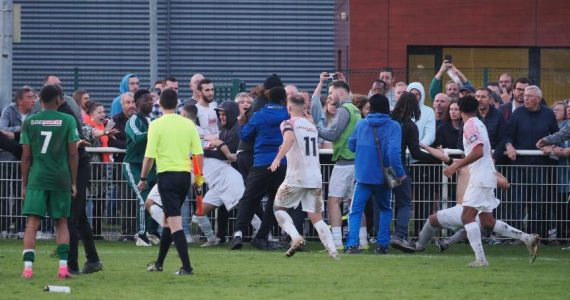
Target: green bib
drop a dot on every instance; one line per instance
(340, 146)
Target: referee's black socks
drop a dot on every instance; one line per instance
(165, 241)
(182, 247)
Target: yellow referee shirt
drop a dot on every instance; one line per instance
(171, 140)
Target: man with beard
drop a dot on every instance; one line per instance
(207, 118)
(518, 97)
(225, 184)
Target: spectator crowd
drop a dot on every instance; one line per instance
(241, 139)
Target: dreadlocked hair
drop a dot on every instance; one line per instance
(407, 108)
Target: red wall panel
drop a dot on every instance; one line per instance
(380, 30)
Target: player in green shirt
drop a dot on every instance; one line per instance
(136, 131)
(49, 170)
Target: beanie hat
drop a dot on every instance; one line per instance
(379, 104)
(272, 81)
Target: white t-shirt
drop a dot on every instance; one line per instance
(303, 165)
(208, 120)
(482, 171)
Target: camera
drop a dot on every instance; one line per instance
(333, 76)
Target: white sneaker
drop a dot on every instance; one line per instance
(153, 238)
(478, 264)
(189, 239)
(532, 247)
(214, 242)
(295, 244)
(140, 241)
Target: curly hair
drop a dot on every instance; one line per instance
(407, 108)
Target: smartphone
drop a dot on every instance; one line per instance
(448, 58)
(333, 76)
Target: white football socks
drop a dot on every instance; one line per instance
(427, 232)
(458, 236)
(505, 229)
(474, 236)
(286, 223)
(205, 226)
(325, 236)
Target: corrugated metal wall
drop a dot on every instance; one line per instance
(103, 39)
(245, 39)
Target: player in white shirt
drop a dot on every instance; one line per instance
(450, 218)
(479, 198)
(207, 117)
(303, 180)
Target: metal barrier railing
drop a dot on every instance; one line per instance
(537, 200)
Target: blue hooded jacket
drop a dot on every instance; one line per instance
(116, 106)
(362, 143)
(264, 127)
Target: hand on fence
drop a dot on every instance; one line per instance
(83, 143)
(511, 152)
(449, 171)
(541, 143)
(559, 151)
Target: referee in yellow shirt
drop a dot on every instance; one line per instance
(171, 141)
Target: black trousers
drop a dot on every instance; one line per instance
(260, 181)
(78, 224)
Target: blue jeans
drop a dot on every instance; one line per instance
(403, 195)
(362, 193)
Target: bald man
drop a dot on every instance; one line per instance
(193, 88)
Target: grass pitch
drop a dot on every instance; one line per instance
(251, 274)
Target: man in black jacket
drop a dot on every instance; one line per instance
(527, 125)
(78, 225)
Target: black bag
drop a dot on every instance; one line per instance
(389, 174)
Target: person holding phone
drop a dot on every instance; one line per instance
(452, 87)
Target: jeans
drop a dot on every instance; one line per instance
(362, 193)
(403, 195)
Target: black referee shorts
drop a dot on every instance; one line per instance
(173, 188)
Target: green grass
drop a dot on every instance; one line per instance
(251, 274)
